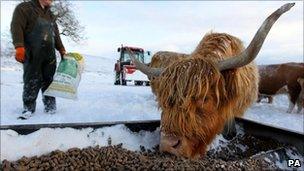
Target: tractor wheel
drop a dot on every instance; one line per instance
(138, 83)
(122, 80)
(117, 79)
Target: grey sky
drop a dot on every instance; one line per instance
(180, 25)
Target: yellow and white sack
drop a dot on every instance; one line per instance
(67, 77)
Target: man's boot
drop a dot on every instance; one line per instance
(49, 104)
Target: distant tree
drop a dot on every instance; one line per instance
(67, 21)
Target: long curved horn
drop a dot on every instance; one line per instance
(255, 45)
(149, 71)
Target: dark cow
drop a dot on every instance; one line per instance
(277, 76)
(200, 93)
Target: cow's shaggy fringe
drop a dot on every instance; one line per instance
(200, 77)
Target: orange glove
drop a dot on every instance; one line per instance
(20, 54)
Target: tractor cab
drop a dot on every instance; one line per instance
(125, 69)
(125, 56)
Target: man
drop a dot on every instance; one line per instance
(35, 37)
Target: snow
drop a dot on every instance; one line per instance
(100, 101)
(137, 76)
(218, 143)
(275, 114)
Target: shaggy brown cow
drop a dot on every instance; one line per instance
(301, 95)
(199, 94)
(275, 77)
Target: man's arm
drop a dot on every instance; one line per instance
(18, 25)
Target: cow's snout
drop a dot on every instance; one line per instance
(169, 143)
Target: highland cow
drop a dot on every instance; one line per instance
(273, 78)
(200, 93)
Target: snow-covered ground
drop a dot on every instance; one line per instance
(275, 114)
(98, 98)
(100, 101)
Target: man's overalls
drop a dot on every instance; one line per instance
(40, 65)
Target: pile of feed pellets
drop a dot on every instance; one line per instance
(235, 155)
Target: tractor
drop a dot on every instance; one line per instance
(125, 70)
